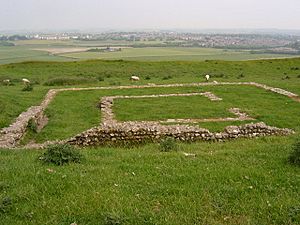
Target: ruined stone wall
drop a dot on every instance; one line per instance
(10, 136)
(150, 132)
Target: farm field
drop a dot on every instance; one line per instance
(172, 54)
(243, 181)
(47, 50)
(16, 54)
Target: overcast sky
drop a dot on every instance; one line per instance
(149, 14)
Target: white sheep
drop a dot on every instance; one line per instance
(134, 78)
(25, 81)
(207, 77)
(6, 82)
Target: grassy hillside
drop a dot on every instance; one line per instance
(104, 73)
(14, 54)
(245, 182)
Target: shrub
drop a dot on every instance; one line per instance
(240, 76)
(168, 144)
(32, 125)
(28, 87)
(298, 76)
(294, 157)
(61, 154)
(100, 78)
(147, 78)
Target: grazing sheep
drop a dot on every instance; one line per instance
(207, 77)
(134, 78)
(6, 82)
(25, 81)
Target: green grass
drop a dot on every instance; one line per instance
(265, 71)
(16, 54)
(163, 108)
(239, 182)
(14, 101)
(66, 118)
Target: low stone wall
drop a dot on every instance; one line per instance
(151, 132)
(10, 136)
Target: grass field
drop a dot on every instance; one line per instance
(236, 182)
(163, 108)
(16, 54)
(63, 50)
(172, 54)
(269, 72)
(240, 182)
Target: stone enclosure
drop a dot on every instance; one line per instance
(111, 131)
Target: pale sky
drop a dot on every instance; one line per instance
(149, 14)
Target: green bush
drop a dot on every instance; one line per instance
(294, 157)
(240, 76)
(168, 144)
(100, 78)
(61, 154)
(28, 87)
